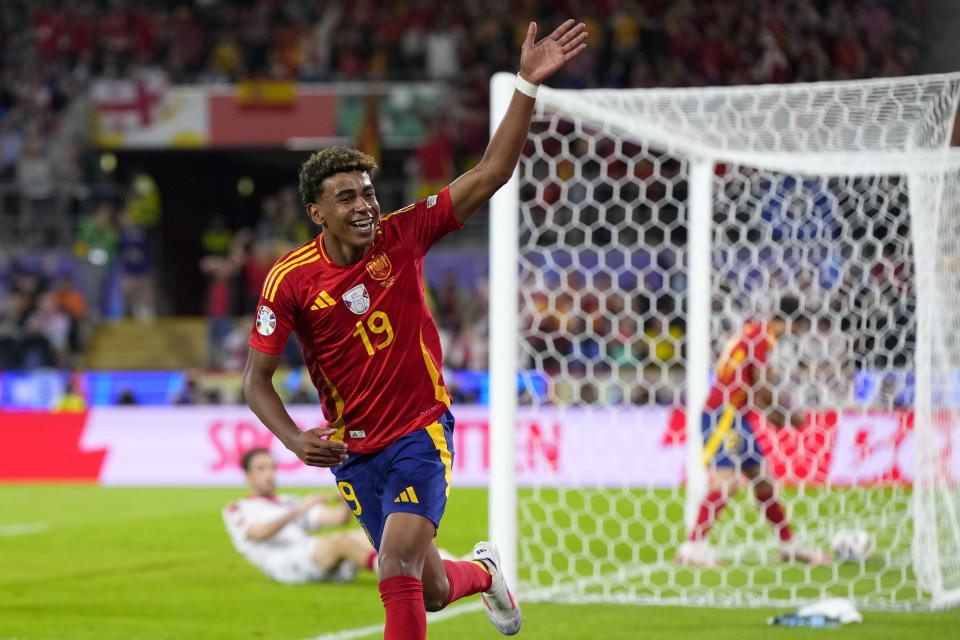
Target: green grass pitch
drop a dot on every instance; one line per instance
(157, 564)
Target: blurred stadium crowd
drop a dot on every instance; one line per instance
(78, 245)
(634, 43)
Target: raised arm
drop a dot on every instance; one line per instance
(310, 445)
(537, 63)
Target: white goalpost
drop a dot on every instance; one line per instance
(641, 229)
(503, 351)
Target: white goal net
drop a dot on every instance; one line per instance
(651, 228)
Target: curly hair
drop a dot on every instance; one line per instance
(323, 164)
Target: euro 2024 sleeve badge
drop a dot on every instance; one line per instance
(266, 320)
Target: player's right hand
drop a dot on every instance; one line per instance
(314, 449)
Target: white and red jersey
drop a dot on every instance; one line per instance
(240, 515)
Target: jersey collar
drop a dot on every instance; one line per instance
(328, 260)
(323, 252)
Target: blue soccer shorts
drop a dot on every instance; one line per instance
(412, 475)
(729, 441)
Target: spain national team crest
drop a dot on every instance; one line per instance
(266, 320)
(379, 266)
(357, 299)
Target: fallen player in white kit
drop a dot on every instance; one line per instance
(273, 530)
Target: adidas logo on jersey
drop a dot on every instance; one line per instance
(407, 495)
(322, 301)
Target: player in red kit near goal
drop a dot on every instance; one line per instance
(743, 383)
(354, 296)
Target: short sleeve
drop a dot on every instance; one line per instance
(434, 219)
(274, 319)
(234, 518)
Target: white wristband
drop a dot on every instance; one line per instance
(526, 88)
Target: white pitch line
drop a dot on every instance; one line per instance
(363, 632)
(23, 529)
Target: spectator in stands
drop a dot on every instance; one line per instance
(72, 400)
(220, 304)
(234, 348)
(663, 372)
(127, 398)
(662, 340)
(217, 237)
(11, 141)
(449, 302)
(268, 226)
(468, 349)
(292, 228)
(626, 349)
(440, 46)
(70, 299)
(189, 394)
(47, 335)
(434, 159)
(143, 201)
(257, 262)
(35, 181)
(134, 258)
(97, 246)
(75, 176)
(13, 313)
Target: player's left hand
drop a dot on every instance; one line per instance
(541, 60)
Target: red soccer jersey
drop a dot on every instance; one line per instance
(366, 334)
(744, 354)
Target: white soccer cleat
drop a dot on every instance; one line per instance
(502, 608)
(697, 554)
(790, 551)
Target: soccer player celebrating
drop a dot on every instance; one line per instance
(742, 383)
(354, 296)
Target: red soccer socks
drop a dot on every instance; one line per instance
(465, 578)
(403, 601)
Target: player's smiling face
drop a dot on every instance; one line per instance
(349, 212)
